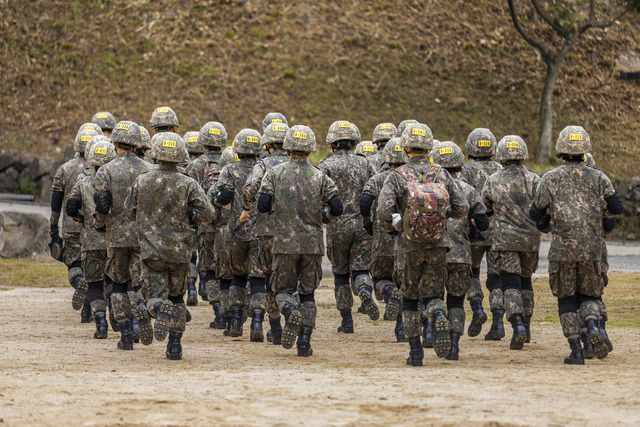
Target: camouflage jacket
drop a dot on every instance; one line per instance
(90, 239)
(475, 173)
(377, 161)
(393, 199)
(232, 178)
(221, 217)
(159, 202)
(458, 229)
(575, 196)
(197, 167)
(508, 194)
(117, 177)
(65, 179)
(383, 243)
(264, 222)
(299, 191)
(350, 173)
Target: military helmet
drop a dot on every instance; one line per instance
(228, 156)
(418, 136)
(127, 133)
(95, 139)
(101, 152)
(300, 138)
(91, 126)
(163, 117)
(213, 134)
(589, 160)
(105, 120)
(145, 141)
(274, 118)
(82, 138)
(512, 147)
(342, 130)
(403, 125)
(274, 133)
(193, 145)
(394, 153)
(447, 154)
(169, 148)
(384, 132)
(247, 141)
(481, 143)
(366, 149)
(357, 132)
(573, 140)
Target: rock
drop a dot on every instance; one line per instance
(13, 173)
(7, 184)
(48, 166)
(628, 62)
(6, 159)
(44, 186)
(24, 235)
(22, 161)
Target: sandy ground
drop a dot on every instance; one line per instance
(54, 373)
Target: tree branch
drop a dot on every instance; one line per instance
(544, 50)
(552, 22)
(601, 24)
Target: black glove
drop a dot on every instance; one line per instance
(54, 233)
(544, 223)
(609, 224)
(475, 235)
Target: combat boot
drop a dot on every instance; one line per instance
(293, 321)
(163, 311)
(527, 327)
(256, 326)
(202, 289)
(399, 330)
(496, 333)
(112, 318)
(370, 306)
(144, 324)
(227, 318)
(126, 335)
(605, 336)
(593, 332)
(101, 326)
(85, 314)
(192, 294)
(347, 322)
(427, 334)
(236, 321)
(519, 333)
(479, 317)
(392, 295)
(442, 327)
(304, 342)
(361, 309)
(455, 347)
(576, 357)
(134, 326)
(219, 320)
(416, 354)
(79, 295)
(174, 348)
(274, 335)
(587, 348)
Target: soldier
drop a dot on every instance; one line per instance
(228, 156)
(381, 134)
(366, 149)
(348, 244)
(164, 204)
(296, 193)
(272, 137)
(145, 143)
(508, 195)
(68, 249)
(383, 243)
(276, 118)
(242, 243)
(403, 125)
(480, 147)
(105, 120)
(112, 184)
(81, 207)
(420, 263)
(448, 155)
(576, 197)
(164, 119)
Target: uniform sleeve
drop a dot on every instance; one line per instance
(74, 202)
(607, 186)
(370, 169)
(252, 186)
(487, 196)
(543, 195)
(464, 175)
(329, 189)
(267, 186)
(535, 182)
(371, 188)
(192, 171)
(199, 203)
(458, 205)
(388, 201)
(476, 207)
(131, 203)
(225, 181)
(323, 167)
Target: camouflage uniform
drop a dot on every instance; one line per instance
(381, 135)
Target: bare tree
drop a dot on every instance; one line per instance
(569, 32)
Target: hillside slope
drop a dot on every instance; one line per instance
(454, 65)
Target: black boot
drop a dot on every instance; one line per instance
(274, 335)
(304, 342)
(593, 332)
(527, 327)
(427, 334)
(192, 294)
(605, 336)
(576, 357)
(256, 326)
(361, 309)
(145, 329)
(227, 318)
(219, 320)
(85, 314)
(392, 308)
(370, 306)
(112, 319)
(134, 326)
(80, 294)
(478, 319)
(101, 326)
(455, 347)
(347, 322)
(399, 331)
(519, 333)
(442, 328)
(202, 289)
(586, 346)
(236, 321)
(292, 324)
(126, 335)
(416, 354)
(174, 348)
(496, 333)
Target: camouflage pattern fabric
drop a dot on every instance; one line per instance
(382, 267)
(349, 251)
(508, 194)
(244, 257)
(528, 302)
(475, 288)
(213, 290)
(574, 194)
(123, 264)
(383, 243)
(458, 279)
(65, 179)
(475, 173)
(477, 252)
(265, 257)
(121, 306)
(162, 280)
(72, 249)
(377, 161)
(513, 304)
(496, 299)
(344, 297)
(295, 273)
(521, 263)
(570, 324)
(197, 167)
(232, 178)
(299, 191)
(90, 239)
(568, 278)
(93, 265)
(421, 274)
(457, 317)
(206, 251)
(412, 323)
(458, 229)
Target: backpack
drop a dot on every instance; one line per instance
(424, 217)
(211, 175)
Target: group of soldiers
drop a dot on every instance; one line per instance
(407, 224)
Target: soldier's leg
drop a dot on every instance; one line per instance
(265, 261)
(507, 263)
(458, 283)
(118, 260)
(178, 279)
(589, 287)
(562, 281)
(604, 317)
(432, 285)
(239, 261)
(407, 274)
(338, 253)
(496, 301)
(257, 282)
(192, 296)
(93, 264)
(475, 294)
(161, 308)
(360, 256)
(309, 275)
(73, 259)
(529, 265)
(285, 281)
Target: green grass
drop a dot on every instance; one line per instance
(34, 272)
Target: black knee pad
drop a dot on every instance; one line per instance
(455, 302)
(356, 273)
(308, 297)
(341, 280)
(493, 282)
(225, 284)
(95, 291)
(177, 300)
(525, 283)
(427, 300)
(75, 264)
(239, 281)
(567, 305)
(257, 285)
(475, 273)
(209, 275)
(120, 288)
(409, 304)
(510, 281)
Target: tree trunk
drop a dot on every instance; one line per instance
(543, 151)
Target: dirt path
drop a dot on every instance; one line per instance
(54, 373)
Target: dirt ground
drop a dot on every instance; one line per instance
(54, 373)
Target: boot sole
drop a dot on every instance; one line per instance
(370, 305)
(161, 328)
(99, 336)
(599, 346)
(607, 341)
(443, 338)
(257, 337)
(192, 302)
(291, 329)
(79, 295)
(475, 327)
(145, 330)
(569, 362)
(393, 305)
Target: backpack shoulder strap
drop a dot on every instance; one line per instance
(433, 172)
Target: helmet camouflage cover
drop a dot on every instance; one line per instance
(145, 141)
(447, 154)
(512, 147)
(384, 132)
(82, 138)
(91, 126)
(366, 149)
(342, 130)
(418, 136)
(573, 140)
(169, 148)
(163, 117)
(403, 125)
(394, 153)
(228, 156)
(128, 133)
(274, 133)
(481, 143)
(300, 138)
(191, 140)
(101, 153)
(213, 134)
(274, 118)
(105, 120)
(247, 141)
(94, 140)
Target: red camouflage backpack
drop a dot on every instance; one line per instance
(211, 175)
(424, 218)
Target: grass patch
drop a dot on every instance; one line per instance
(33, 272)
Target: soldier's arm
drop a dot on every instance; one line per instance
(57, 197)
(102, 193)
(369, 194)
(200, 206)
(331, 199)
(225, 187)
(458, 206)
(252, 186)
(74, 202)
(612, 199)
(477, 211)
(487, 197)
(542, 200)
(388, 202)
(192, 170)
(131, 203)
(267, 191)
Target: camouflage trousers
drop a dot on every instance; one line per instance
(522, 263)
(382, 274)
(71, 256)
(421, 274)
(206, 250)
(350, 252)
(166, 281)
(265, 256)
(223, 265)
(458, 279)
(569, 278)
(244, 258)
(123, 264)
(93, 265)
(475, 289)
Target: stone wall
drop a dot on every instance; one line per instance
(23, 173)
